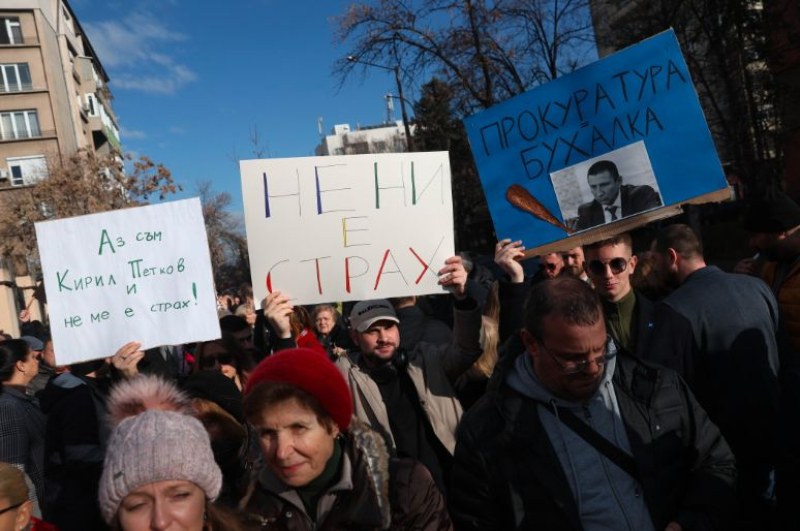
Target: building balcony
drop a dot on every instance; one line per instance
(8, 136)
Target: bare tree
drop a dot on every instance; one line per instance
(84, 183)
(724, 43)
(226, 239)
(486, 50)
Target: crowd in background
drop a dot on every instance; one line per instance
(615, 388)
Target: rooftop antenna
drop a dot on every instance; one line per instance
(389, 108)
(320, 127)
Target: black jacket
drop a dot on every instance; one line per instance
(417, 327)
(507, 475)
(634, 199)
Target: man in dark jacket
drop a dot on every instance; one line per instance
(734, 320)
(573, 436)
(612, 199)
(655, 333)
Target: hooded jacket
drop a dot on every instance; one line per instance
(373, 492)
(510, 474)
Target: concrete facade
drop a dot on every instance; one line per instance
(54, 100)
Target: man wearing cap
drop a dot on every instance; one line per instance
(407, 396)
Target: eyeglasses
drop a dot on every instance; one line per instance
(11, 508)
(578, 366)
(550, 267)
(207, 362)
(617, 265)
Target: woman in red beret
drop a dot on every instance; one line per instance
(322, 468)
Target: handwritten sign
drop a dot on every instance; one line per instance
(139, 274)
(631, 122)
(349, 227)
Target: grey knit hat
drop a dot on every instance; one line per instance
(153, 446)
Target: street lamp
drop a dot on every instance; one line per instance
(396, 70)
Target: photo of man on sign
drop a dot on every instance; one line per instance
(605, 189)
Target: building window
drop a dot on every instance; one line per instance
(10, 30)
(91, 105)
(15, 77)
(27, 170)
(19, 124)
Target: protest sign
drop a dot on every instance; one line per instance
(617, 138)
(350, 227)
(139, 274)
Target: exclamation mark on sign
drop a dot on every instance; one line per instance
(194, 292)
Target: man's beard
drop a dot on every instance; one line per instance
(374, 361)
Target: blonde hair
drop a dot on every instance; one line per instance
(489, 338)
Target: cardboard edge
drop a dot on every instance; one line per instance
(610, 230)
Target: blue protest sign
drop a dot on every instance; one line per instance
(619, 137)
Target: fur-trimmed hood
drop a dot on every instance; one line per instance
(372, 447)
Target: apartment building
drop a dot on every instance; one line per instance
(383, 138)
(54, 100)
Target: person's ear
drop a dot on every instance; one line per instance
(672, 257)
(23, 516)
(632, 263)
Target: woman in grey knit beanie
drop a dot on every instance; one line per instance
(159, 470)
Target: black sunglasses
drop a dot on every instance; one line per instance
(550, 267)
(207, 362)
(617, 265)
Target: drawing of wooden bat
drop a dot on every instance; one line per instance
(521, 198)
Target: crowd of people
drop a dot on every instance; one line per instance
(618, 388)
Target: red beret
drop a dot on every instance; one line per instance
(312, 372)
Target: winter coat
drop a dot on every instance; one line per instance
(22, 428)
(433, 370)
(74, 450)
(373, 492)
(507, 475)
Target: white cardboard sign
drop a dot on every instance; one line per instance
(138, 274)
(349, 227)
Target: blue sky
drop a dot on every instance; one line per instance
(191, 82)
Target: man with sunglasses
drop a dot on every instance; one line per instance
(631, 318)
(573, 434)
